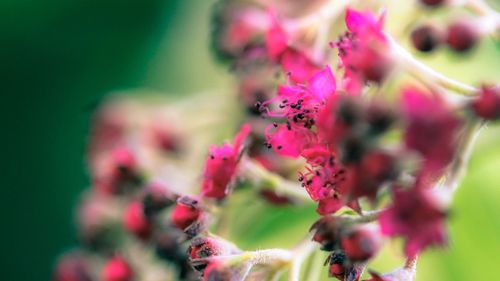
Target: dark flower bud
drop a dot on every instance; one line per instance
(376, 68)
(487, 104)
(461, 36)
(379, 118)
(326, 231)
(167, 245)
(205, 247)
(337, 265)
(426, 38)
(216, 271)
(341, 268)
(72, 267)
(361, 243)
(157, 198)
(117, 269)
(433, 3)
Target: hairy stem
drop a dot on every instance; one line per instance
(300, 254)
(264, 179)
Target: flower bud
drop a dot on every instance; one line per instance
(487, 105)
(135, 220)
(205, 247)
(326, 232)
(337, 265)
(117, 269)
(433, 3)
(71, 267)
(461, 36)
(157, 197)
(188, 216)
(216, 271)
(426, 38)
(361, 243)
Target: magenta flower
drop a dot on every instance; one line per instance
(293, 61)
(326, 181)
(276, 39)
(220, 167)
(418, 216)
(299, 104)
(432, 128)
(363, 51)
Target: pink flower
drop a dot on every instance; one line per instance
(293, 61)
(289, 140)
(276, 39)
(220, 167)
(299, 105)
(431, 129)
(363, 51)
(326, 181)
(418, 216)
(298, 65)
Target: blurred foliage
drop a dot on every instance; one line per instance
(59, 58)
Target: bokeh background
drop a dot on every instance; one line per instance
(58, 59)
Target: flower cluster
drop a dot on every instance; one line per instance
(355, 126)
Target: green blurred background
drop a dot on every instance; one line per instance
(59, 58)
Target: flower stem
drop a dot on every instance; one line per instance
(426, 74)
(264, 179)
(300, 254)
(457, 168)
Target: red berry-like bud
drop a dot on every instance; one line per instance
(487, 105)
(185, 213)
(461, 36)
(361, 243)
(117, 269)
(136, 221)
(375, 67)
(426, 38)
(124, 159)
(433, 3)
(71, 268)
(337, 265)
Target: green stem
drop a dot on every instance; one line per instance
(264, 179)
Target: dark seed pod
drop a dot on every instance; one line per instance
(426, 38)
(433, 3)
(461, 36)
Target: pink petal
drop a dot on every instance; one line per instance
(323, 83)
